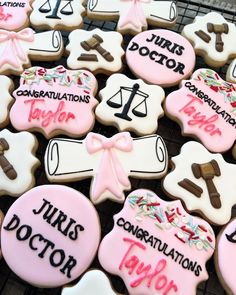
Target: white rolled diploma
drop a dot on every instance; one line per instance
(69, 160)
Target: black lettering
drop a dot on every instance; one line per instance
(134, 46)
(13, 224)
(57, 254)
(71, 262)
(26, 230)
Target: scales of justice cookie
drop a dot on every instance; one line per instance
(109, 161)
(211, 36)
(55, 101)
(96, 50)
(57, 14)
(134, 15)
(205, 107)
(155, 244)
(50, 235)
(92, 282)
(130, 105)
(14, 14)
(204, 181)
(17, 162)
(6, 100)
(17, 48)
(160, 57)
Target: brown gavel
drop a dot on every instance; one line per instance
(94, 43)
(218, 30)
(6, 166)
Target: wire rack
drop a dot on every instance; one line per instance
(10, 284)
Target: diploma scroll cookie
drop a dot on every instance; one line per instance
(134, 15)
(57, 14)
(109, 161)
(55, 101)
(130, 104)
(154, 244)
(203, 181)
(211, 36)
(6, 100)
(96, 51)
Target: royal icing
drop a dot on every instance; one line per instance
(211, 36)
(204, 181)
(163, 52)
(93, 50)
(92, 282)
(17, 162)
(15, 47)
(14, 14)
(231, 72)
(134, 15)
(55, 101)
(1, 220)
(57, 14)
(205, 106)
(130, 104)
(6, 85)
(225, 256)
(55, 231)
(155, 244)
(109, 161)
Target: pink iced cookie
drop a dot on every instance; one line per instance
(55, 101)
(160, 57)
(14, 14)
(225, 257)
(55, 231)
(155, 244)
(205, 106)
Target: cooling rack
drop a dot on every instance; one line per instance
(10, 284)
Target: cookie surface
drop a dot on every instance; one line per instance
(211, 36)
(160, 57)
(56, 232)
(155, 244)
(204, 181)
(134, 16)
(55, 101)
(6, 100)
(205, 107)
(130, 104)
(231, 72)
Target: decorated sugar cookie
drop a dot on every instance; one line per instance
(225, 257)
(55, 101)
(17, 48)
(93, 50)
(1, 220)
(155, 244)
(92, 282)
(54, 230)
(204, 181)
(211, 36)
(6, 100)
(17, 162)
(231, 72)
(57, 14)
(134, 16)
(160, 57)
(205, 107)
(130, 104)
(109, 161)
(14, 14)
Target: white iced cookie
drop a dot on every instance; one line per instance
(130, 104)
(96, 51)
(57, 14)
(134, 16)
(6, 100)
(17, 162)
(211, 36)
(93, 282)
(231, 72)
(204, 181)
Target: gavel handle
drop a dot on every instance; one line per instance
(219, 43)
(7, 168)
(107, 55)
(213, 194)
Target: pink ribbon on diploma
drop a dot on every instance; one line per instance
(135, 15)
(13, 54)
(110, 173)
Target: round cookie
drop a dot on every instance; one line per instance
(50, 235)
(155, 244)
(160, 57)
(1, 220)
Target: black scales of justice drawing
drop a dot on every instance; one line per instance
(124, 97)
(48, 7)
